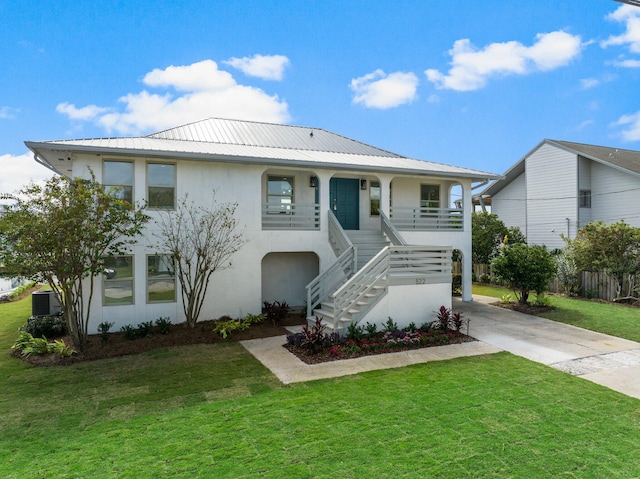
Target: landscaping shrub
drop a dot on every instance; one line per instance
(163, 325)
(49, 326)
(276, 311)
(103, 330)
(28, 345)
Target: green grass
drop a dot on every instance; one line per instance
(215, 411)
(614, 319)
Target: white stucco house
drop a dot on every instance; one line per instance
(354, 232)
(560, 186)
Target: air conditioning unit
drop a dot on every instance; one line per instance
(44, 303)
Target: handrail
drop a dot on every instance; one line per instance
(292, 216)
(325, 283)
(392, 233)
(346, 264)
(427, 219)
(338, 239)
(423, 263)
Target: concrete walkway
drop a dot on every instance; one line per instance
(603, 359)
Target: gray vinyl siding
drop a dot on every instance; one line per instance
(615, 195)
(584, 183)
(552, 186)
(509, 204)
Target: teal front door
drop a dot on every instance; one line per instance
(344, 194)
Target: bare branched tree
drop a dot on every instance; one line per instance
(201, 241)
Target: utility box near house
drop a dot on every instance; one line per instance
(44, 303)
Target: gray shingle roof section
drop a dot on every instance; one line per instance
(625, 159)
(248, 133)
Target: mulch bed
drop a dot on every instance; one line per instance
(180, 335)
(326, 355)
(531, 309)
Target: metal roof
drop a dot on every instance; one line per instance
(250, 143)
(626, 160)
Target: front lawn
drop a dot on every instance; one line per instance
(618, 320)
(214, 411)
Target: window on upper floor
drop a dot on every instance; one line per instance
(429, 196)
(585, 199)
(374, 198)
(279, 194)
(161, 185)
(117, 286)
(161, 279)
(117, 177)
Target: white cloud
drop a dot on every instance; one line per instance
(630, 16)
(632, 124)
(6, 112)
(382, 91)
(18, 171)
(587, 83)
(627, 63)
(472, 67)
(85, 113)
(203, 91)
(267, 67)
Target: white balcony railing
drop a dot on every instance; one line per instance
(293, 216)
(426, 219)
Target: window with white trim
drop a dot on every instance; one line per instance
(585, 199)
(161, 279)
(279, 194)
(117, 177)
(117, 284)
(161, 185)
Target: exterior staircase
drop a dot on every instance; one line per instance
(368, 243)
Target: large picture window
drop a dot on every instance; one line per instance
(117, 177)
(279, 194)
(161, 279)
(118, 280)
(161, 181)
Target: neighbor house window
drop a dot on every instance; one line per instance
(585, 198)
(374, 198)
(161, 181)
(429, 196)
(118, 280)
(118, 179)
(279, 194)
(161, 279)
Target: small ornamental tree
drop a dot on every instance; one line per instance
(524, 268)
(613, 249)
(60, 233)
(201, 241)
(488, 233)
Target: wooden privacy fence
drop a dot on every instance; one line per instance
(590, 284)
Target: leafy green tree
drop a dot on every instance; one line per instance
(524, 268)
(201, 241)
(613, 249)
(60, 233)
(488, 233)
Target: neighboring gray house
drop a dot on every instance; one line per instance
(560, 186)
(355, 232)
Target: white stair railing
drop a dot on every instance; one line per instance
(394, 265)
(390, 231)
(327, 282)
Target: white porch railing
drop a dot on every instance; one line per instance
(426, 219)
(294, 216)
(394, 265)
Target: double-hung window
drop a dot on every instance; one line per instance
(161, 185)
(118, 280)
(161, 279)
(585, 198)
(117, 177)
(429, 196)
(279, 194)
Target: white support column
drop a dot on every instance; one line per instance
(385, 194)
(467, 265)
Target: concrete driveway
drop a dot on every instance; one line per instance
(607, 360)
(602, 359)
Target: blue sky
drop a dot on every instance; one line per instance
(468, 83)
